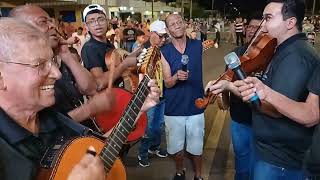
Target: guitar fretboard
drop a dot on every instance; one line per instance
(119, 135)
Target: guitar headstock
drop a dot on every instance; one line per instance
(207, 44)
(149, 61)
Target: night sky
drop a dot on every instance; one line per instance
(245, 6)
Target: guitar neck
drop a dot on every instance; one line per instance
(120, 133)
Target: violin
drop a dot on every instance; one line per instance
(256, 59)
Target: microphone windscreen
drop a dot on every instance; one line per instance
(184, 59)
(232, 60)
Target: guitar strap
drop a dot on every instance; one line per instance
(73, 125)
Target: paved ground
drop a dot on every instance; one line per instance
(218, 154)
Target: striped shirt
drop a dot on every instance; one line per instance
(239, 27)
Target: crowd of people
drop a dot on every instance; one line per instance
(45, 72)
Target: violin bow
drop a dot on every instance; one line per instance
(255, 36)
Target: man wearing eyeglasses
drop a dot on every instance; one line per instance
(76, 80)
(150, 143)
(240, 112)
(93, 51)
(28, 75)
(28, 126)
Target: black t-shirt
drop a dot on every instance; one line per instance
(240, 111)
(282, 141)
(21, 151)
(131, 33)
(93, 55)
(312, 160)
(314, 83)
(67, 95)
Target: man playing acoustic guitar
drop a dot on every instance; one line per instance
(28, 126)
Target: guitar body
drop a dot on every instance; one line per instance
(70, 154)
(58, 161)
(108, 120)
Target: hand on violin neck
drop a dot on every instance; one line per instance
(218, 87)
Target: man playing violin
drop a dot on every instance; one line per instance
(281, 141)
(240, 112)
(28, 126)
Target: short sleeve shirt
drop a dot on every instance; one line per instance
(93, 55)
(282, 141)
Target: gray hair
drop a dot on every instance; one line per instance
(22, 12)
(16, 34)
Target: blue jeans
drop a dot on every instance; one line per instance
(152, 138)
(242, 140)
(128, 45)
(266, 171)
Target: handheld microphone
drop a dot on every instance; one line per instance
(233, 62)
(184, 62)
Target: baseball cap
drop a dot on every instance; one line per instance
(158, 26)
(92, 7)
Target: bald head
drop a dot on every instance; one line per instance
(15, 35)
(176, 26)
(38, 18)
(172, 16)
(25, 12)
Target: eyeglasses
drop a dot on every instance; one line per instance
(252, 27)
(99, 21)
(44, 66)
(161, 36)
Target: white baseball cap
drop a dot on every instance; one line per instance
(158, 26)
(93, 7)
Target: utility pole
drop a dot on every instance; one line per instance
(152, 9)
(182, 8)
(190, 9)
(212, 2)
(314, 7)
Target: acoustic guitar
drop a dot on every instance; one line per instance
(59, 160)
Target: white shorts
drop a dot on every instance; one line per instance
(185, 128)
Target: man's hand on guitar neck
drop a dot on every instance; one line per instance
(153, 97)
(89, 168)
(131, 59)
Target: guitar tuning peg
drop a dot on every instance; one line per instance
(138, 64)
(144, 50)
